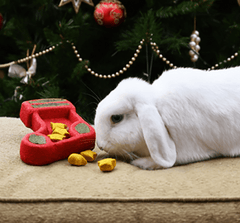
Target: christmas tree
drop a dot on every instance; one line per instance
(82, 77)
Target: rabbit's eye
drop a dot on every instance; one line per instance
(116, 118)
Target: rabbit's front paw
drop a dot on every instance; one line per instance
(146, 163)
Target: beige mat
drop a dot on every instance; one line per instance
(200, 192)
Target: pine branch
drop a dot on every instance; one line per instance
(183, 8)
(145, 25)
(175, 43)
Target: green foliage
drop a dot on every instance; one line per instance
(60, 74)
(145, 25)
(181, 9)
(175, 43)
(50, 92)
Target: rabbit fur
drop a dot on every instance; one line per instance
(186, 115)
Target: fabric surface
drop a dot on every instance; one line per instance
(206, 191)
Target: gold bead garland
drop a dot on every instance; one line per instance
(135, 55)
(155, 48)
(138, 50)
(36, 54)
(225, 61)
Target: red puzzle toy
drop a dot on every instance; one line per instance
(37, 148)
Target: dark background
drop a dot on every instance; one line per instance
(59, 74)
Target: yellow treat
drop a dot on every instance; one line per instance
(89, 155)
(56, 137)
(59, 125)
(60, 131)
(107, 164)
(77, 160)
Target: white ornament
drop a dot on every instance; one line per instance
(197, 40)
(197, 48)
(192, 44)
(196, 32)
(194, 58)
(193, 37)
(17, 71)
(191, 53)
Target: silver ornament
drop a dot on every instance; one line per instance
(196, 32)
(194, 58)
(193, 37)
(197, 40)
(192, 44)
(191, 53)
(197, 48)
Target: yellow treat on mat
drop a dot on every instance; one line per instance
(59, 125)
(56, 137)
(77, 159)
(107, 164)
(60, 131)
(89, 155)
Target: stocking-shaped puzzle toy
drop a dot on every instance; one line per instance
(39, 148)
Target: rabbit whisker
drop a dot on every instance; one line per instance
(94, 97)
(97, 98)
(134, 155)
(131, 155)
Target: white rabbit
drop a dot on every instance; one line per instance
(186, 115)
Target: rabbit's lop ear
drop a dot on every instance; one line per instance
(160, 145)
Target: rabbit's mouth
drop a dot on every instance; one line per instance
(101, 145)
(101, 148)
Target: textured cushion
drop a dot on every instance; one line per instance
(200, 192)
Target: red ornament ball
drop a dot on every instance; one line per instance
(1, 21)
(110, 13)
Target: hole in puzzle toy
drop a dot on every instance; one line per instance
(82, 128)
(38, 115)
(37, 139)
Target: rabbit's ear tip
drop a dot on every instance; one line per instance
(160, 145)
